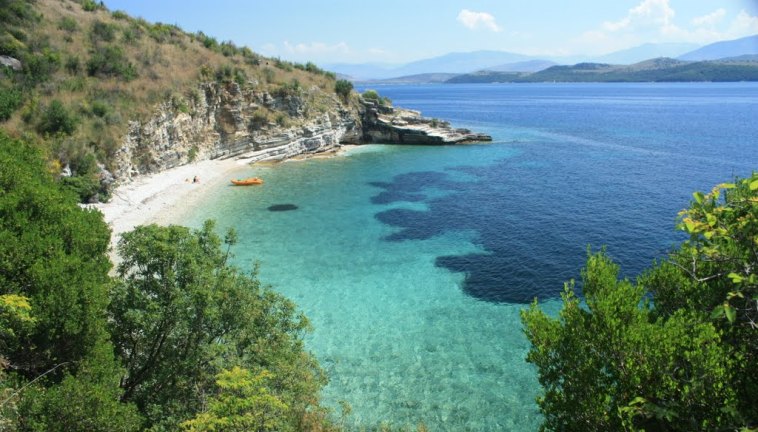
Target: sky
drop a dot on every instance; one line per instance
(400, 31)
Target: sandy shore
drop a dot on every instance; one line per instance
(163, 197)
(157, 198)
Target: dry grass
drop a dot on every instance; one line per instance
(165, 69)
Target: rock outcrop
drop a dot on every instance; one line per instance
(390, 125)
(223, 121)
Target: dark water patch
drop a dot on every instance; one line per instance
(534, 221)
(389, 197)
(282, 207)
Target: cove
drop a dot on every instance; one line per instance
(413, 263)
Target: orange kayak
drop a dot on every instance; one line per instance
(248, 181)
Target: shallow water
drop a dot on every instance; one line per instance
(414, 262)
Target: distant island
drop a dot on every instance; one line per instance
(734, 60)
(655, 70)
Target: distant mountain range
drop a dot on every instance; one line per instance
(718, 50)
(479, 65)
(645, 52)
(654, 70)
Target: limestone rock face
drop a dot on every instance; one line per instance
(389, 125)
(223, 121)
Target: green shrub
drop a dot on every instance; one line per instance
(102, 32)
(11, 46)
(132, 33)
(192, 153)
(258, 120)
(283, 65)
(73, 65)
(343, 89)
(228, 49)
(85, 187)
(281, 119)
(68, 24)
(371, 95)
(208, 41)
(99, 108)
(119, 15)
(269, 75)
(39, 67)
(90, 5)
(57, 119)
(284, 90)
(111, 61)
(10, 100)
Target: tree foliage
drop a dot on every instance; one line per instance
(244, 403)
(343, 88)
(181, 314)
(674, 351)
(53, 253)
(53, 296)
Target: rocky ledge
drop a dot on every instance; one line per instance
(389, 125)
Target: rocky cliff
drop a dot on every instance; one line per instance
(223, 121)
(391, 125)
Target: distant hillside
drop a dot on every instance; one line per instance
(482, 77)
(428, 78)
(655, 70)
(644, 52)
(738, 47)
(456, 63)
(524, 66)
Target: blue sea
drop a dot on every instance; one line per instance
(413, 262)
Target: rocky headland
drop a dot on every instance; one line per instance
(391, 125)
(223, 121)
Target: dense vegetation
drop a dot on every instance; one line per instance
(86, 72)
(85, 351)
(674, 351)
(657, 70)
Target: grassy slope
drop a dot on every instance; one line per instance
(107, 68)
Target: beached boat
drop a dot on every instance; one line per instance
(248, 181)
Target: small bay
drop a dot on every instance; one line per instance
(413, 262)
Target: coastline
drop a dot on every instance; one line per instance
(155, 198)
(162, 198)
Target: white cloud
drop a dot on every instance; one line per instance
(711, 19)
(649, 13)
(744, 24)
(478, 20)
(654, 21)
(316, 48)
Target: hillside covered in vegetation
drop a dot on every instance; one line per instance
(104, 94)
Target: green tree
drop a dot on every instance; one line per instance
(54, 253)
(713, 274)
(181, 314)
(343, 88)
(244, 403)
(87, 401)
(53, 295)
(676, 350)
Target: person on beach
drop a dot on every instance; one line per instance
(196, 180)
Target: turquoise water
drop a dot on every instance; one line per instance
(414, 262)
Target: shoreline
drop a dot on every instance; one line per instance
(162, 197)
(153, 198)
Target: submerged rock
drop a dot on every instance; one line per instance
(282, 207)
